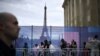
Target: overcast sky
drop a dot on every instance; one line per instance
(31, 12)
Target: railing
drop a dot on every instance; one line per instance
(56, 52)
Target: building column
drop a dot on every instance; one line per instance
(66, 15)
(88, 13)
(71, 9)
(81, 12)
(84, 6)
(75, 14)
(69, 13)
(97, 20)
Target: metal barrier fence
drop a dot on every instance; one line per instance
(56, 52)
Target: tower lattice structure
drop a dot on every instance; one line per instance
(44, 35)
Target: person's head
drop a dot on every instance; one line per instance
(25, 44)
(62, 40)
(45, 41)
(42, 43)
(84, 44)
(9, 28)
(36, 45)
(95, 37)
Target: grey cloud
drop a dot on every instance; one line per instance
(11, 1)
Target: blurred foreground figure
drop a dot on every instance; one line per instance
(25, 49)
(9, 31)
(93, 44)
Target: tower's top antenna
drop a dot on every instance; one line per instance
(45, 3)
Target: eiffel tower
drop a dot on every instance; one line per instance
(44, 35)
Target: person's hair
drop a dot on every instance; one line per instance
(42, 43)
(62, 40)
(25, 43)
(96, 36)
(84, 44)
(36, 45)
